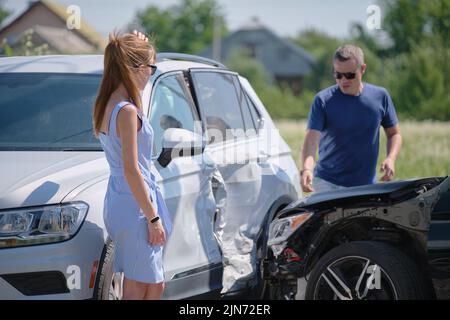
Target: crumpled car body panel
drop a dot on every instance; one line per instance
(381, 212)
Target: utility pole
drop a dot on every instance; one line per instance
(216, 47)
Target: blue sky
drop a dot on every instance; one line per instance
(285, 17)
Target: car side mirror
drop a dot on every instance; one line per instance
(178, 142)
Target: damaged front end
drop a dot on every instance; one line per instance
(394, 213)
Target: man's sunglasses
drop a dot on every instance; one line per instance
(347, 75)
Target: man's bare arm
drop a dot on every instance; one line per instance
(393, 146)
(308, 156)
(394, 141)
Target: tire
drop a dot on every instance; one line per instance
(108, 285)
(398, 277)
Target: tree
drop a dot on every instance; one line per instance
(322, 47)
(420, 89)
(280, 102)
(3, 12)
(375, 42)
(410, 22)
(187, 27)
(439, 17)
(413, 67)
(405, 22)
(421, 73)
(241, 61)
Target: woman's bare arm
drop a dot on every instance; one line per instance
(127, 123)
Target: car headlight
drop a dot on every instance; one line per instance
(281, 229)
(38, 225)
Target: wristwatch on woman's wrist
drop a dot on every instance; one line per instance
(154, 219)
(303, 170)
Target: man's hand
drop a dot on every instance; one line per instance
(388, 167)
(306, 181)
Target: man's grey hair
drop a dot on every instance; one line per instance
(349, 51)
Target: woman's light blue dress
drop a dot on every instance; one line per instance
(124, 220)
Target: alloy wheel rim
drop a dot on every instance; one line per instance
(354, 278)
(115, 291)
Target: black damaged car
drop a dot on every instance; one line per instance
(382, 241)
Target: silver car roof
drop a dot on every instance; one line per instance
(92, 64)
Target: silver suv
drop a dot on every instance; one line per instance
(221, 165)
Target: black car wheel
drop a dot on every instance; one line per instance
(109, 284)
(365, 270)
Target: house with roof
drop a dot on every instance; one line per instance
(44, 22)
(286, 62)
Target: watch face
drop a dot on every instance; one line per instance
(154, 219)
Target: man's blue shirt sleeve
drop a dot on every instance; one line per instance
(390, 117)
(316, 119)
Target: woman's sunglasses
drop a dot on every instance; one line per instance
(151, 66)
(347, 75)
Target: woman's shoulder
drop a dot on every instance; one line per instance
(127, 115)
(127, 110)
(131, 109)
(128, 107)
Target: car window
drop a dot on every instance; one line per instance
(47, 111)
(171, 107)
(217, 97)
(255, 114)
(249, 122)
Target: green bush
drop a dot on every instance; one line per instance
(422, 90)
(280, 102)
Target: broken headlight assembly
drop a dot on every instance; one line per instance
(41, 225)
(281, 229)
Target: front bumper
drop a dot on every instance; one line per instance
(51, 271)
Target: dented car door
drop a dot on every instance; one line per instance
(191, 251)
(233, 147)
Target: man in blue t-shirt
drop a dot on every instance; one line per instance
(344, 122)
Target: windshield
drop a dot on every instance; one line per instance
(47, 111)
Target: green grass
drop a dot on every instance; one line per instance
(425, 151)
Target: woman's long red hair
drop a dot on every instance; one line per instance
(123, 54)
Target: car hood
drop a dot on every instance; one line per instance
(378, 191)
(30, 178)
